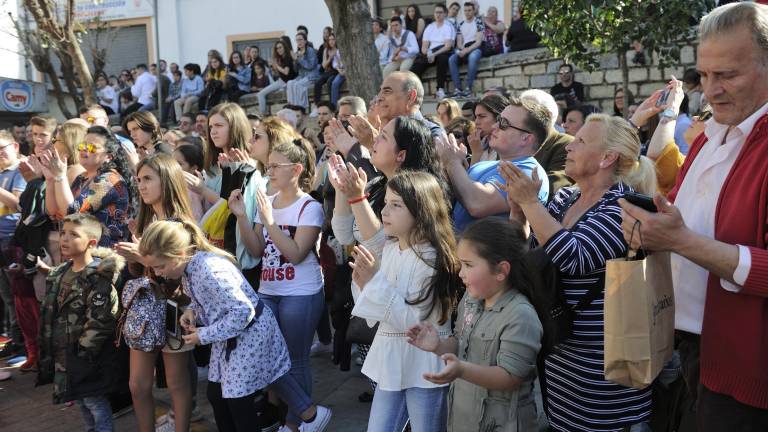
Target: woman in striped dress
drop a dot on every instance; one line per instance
(580, 231)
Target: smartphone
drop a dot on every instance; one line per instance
(663, 98)
(345, 123)
(172, 318)
(643, 201)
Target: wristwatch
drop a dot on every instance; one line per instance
(668, 114)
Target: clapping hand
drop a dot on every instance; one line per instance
(235, 155)
(520, 188)
(364, 266)
(423, 336)
(345, 178)
(236, 204)
(342, 138)
(265, 208)
(52, 166)
(449, 150)
(363, 130)
(194, 181)
(453, 369)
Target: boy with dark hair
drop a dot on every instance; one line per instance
(79, 317)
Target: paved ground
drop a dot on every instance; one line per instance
(24, 408)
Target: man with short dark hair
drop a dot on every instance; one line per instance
(436, 47)
(469, 41)
(468, 110)
(404, 47)
(517, 135)
(201, 125)
(142, 90)
(187, 123)
(324, 112)
(570, 90)
(20, 135)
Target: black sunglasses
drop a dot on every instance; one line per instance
(504, 124)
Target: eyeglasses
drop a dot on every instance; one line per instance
(90, 148)
(278, 165)
(458, 135)
(504, 124)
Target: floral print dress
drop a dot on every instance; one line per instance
(225, 305)
(106, 198)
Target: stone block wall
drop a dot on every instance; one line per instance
(536, 68)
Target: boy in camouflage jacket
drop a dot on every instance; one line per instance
(78, 320)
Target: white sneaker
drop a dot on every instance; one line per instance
(319, 348)
(440, 94)
(5, 375)
(322, 418)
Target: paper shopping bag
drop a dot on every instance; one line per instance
(639, 313)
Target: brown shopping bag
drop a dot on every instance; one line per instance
(639, 313)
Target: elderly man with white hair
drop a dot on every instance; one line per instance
(715, 226)
(551, 155)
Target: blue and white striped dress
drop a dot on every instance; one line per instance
(578, 396)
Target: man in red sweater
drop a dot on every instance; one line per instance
(717, 229)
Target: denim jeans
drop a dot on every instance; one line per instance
(426, 407)
(338, 80)
(298, 317)
(97, 413)
(473, 59)
(291, 392)
(275, 86)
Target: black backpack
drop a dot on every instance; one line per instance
(547, 295)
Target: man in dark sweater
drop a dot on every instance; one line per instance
(568, 89)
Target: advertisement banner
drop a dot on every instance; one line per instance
(22, 96)
(107, 10)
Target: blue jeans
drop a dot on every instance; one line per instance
(338, 80)
(473, 59)
(298, 317)
(97, 413)
(426, 407)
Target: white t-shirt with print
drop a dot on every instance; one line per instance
(438, 35)
(279, 276)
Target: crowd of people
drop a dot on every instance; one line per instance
(246, 243)
(407, 41)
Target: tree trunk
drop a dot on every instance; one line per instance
(624, 79)
(68, 74)
(59, 93)
(81, 67)
(354, 36)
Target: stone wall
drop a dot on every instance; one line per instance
(536, 68)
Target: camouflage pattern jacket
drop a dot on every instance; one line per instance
(80, 332)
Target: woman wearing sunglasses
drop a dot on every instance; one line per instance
(104, 190)
(662, 148)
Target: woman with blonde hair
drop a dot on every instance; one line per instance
(70, 135)
(447, 110)
(579, 232)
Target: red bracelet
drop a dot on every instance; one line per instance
(357, 200)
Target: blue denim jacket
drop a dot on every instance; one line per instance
(307, 65)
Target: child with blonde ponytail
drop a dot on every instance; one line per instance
(248, 352)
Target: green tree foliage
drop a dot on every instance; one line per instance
(583, 30)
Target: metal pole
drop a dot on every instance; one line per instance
(160, 100)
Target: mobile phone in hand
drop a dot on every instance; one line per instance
(663, 98)
(643, 201)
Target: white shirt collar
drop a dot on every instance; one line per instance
(714, 129)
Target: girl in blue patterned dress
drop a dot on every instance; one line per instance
(248, 352)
